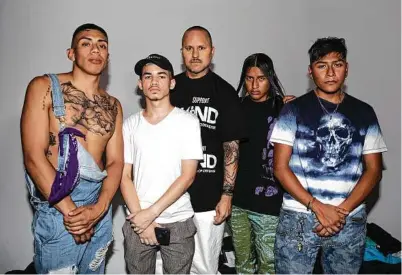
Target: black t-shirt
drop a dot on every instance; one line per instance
(256, 187)
(217, 106)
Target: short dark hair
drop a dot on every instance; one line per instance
(197, 28)
(326, 45)
(87, 26)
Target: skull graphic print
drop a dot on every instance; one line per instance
(333, 137)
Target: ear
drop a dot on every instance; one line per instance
(213, 51)
(347, 70)
(71, 54)
(140, 84)
(172, 84)
(310, 72)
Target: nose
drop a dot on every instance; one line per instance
(330, 71)
(255, 84)
(95, 48)
(195, 53)
(154, 81)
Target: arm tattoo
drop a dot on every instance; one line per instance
(231, 156)
(44, 98)
(97, 115)
(52, 142)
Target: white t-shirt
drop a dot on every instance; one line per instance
(156, 152)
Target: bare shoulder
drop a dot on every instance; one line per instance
(112, 101)
(39, 90)
(38, 84)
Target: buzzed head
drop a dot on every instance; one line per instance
(197, 28)
(84, 27)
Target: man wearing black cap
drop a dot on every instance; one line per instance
(162, 146)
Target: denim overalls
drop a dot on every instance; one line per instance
(55, 248)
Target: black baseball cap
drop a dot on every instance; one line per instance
(156, 59)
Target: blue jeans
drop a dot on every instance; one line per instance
(55, 249)
(296, 246)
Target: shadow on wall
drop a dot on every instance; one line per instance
(141, 100)
(117, 202)
(105, 78)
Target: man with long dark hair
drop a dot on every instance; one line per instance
(258, 196)
(328, 157)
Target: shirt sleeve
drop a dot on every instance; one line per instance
(128, 141)
(284, 131)
(374, 141)
(192, 145)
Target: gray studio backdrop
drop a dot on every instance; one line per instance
(35, 34)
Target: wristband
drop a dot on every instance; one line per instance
(310, 204)
(227, 189)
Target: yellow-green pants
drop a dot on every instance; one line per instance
(253, 240)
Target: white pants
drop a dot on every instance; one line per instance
(208, 245)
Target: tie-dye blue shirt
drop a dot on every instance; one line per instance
(328, 148)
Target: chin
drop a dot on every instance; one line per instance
(197, 69)
(94, 72)
(330, 90)
(255, 98)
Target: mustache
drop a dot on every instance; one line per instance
(195, 61)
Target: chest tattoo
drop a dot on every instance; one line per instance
(97, 115)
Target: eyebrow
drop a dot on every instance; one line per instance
(338, 60)
(255, 76)
(159, 73)
(194, 46)
(261, 75)
(88, 38)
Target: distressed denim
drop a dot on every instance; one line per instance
(296, 246)
(55, 249)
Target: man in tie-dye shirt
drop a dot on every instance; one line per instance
(328, 157)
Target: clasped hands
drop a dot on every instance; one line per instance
(81, 221)
(331, 218)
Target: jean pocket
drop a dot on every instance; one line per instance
(45, 228)
(360, 217)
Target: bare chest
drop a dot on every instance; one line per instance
(96, 115)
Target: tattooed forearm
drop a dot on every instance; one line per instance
(231, 156)
(52, 142)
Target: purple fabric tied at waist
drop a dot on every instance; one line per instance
(67, 179)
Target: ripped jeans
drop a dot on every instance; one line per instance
(55, 249)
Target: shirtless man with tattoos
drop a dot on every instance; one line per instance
(68, 124)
